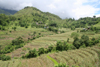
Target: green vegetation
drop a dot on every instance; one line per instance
(84, 41)
(41, 39)
(60, 46)
(17, 43)
(4, 57)
(63, 46)
(55, 62)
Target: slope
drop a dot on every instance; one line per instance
(85, 57)
(33, 15)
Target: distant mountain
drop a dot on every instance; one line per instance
(4, 12)
(7, 11)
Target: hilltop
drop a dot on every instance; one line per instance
(32, 15)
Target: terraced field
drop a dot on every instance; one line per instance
(84, 57)
(46, 40)
(6, 37)
(42, 42)
(41, 61)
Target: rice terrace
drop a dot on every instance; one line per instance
(33, 38)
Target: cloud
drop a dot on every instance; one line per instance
(63, 8)
(51, 6)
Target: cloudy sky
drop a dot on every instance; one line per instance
(63, 8)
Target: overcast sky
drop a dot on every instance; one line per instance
(63, 8)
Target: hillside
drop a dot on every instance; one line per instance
(33, 15)
(87, 57)
(31, 37)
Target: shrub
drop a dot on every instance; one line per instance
(71, 47)
(34, 38)
(53, 29)
(50, 48)
(41, 51)
(17, 41)
(62, 31)
(68, 40)
(39, 33)
(14, 28)
(61, 46)
(72, 28)
(74, 34)
(83, 46)
(4, 57)
(76, 42)
(32, 53)
(26, 26)
(10, 31)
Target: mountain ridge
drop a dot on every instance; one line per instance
(7, 11)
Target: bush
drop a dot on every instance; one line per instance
(74, 34)
(50, 48)
(4, 57)
(41, 51)
(26, 26)
(68, 40)
(71, 47)
(62, 31)
(72, 28)
(83, 46)
(53, 29)
(14, 28)
(32, 53)
(61, 46)
(76, 43)
(34, 38)
(17, 41)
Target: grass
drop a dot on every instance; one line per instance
(54, 61)
(97, 25)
